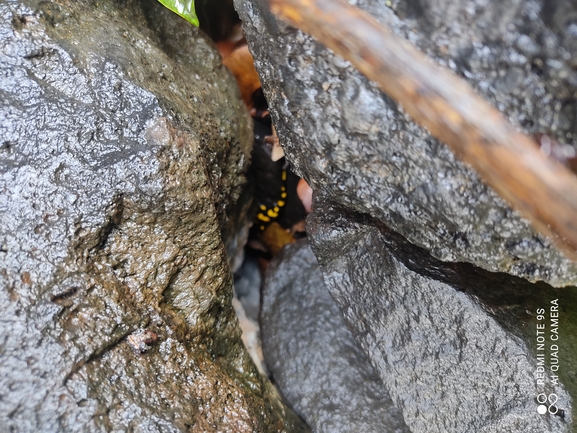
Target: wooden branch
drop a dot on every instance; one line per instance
(542, 189)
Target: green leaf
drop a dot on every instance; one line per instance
(184, 8)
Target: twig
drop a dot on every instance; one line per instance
(543, 190)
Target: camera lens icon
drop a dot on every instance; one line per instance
(547, 404)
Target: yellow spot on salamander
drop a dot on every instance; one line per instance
(261, 227)
(284, 175)
(280, 203)
(282, 188)
(272, 213)
(283, 195)
(262, 207)
(263, 217)
(276, 209)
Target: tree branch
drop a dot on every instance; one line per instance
(542, 189)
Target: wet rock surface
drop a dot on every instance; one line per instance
(454, 345)
(313, 356)
(247, 286)
(123, 154)
(358, 148)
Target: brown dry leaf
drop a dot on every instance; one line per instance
(275, 238)
(225, 48)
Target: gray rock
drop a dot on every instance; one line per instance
(247, 282)
(454, 345)
(312, 354)
(358, 148)
(121, 156)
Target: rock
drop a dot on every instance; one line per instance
(313, 356)
(455, 346)
(444, 286)
(228, 164)
(246, 303)
(247, 282)
(356, 146)
(123, 153)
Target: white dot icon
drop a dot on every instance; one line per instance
(542, 409)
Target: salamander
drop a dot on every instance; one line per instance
(269, 214)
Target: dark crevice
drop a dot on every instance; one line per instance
(112, 222)
(40, 53)
(64, 295)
